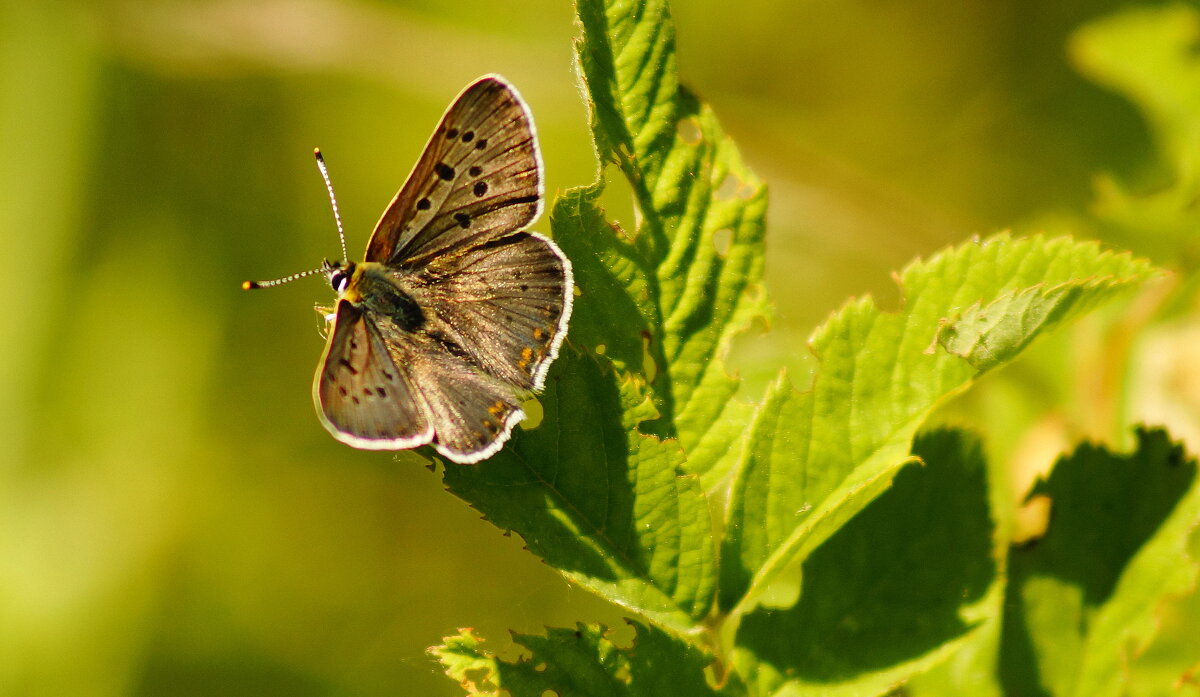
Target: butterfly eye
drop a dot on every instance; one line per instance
(339, 276)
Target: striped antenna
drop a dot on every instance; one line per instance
(337, 217)
(251, 285)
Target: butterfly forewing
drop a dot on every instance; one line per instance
(362, 397)
(479, 178)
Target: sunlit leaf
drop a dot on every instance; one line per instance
(816, 458)
(693, 265)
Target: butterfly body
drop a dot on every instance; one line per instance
(454, 317)
(378, 290)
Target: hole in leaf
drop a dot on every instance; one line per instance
(688, 130)
(534, 414)
(620, 232)
(479, 676)
(649, 366)
(623, 635)
(600, 349)
(728, 188)
(618, 204)
(711, 675)
(722, 239)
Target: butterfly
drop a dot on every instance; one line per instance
(456, 313)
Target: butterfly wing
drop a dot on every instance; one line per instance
(472, 413)
(362, 397)
(475, 414)
(503, 305)
(479, 178)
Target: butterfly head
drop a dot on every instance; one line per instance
(339, 274)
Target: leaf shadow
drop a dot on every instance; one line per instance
(888, 586)
(1105, 507)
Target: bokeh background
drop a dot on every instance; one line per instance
(173, 519)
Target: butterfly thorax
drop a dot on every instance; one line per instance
(372, 287)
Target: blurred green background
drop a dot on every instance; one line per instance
(173, 519)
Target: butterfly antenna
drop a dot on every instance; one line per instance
(251, 285)
(337, 217)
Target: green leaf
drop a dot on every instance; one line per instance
(582, 662)
(1084, 599)
(814, 459)
(1148, 55)
(884, 597)
(992, 335)
(1173, 659)
(693, 267)
(608, 507)
(614, 308)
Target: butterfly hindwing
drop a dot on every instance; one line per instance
(503, 304)
(475, 416)
(472, 413)
(478, 178)
(362, 397)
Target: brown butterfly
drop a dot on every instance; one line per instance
(457, 312)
